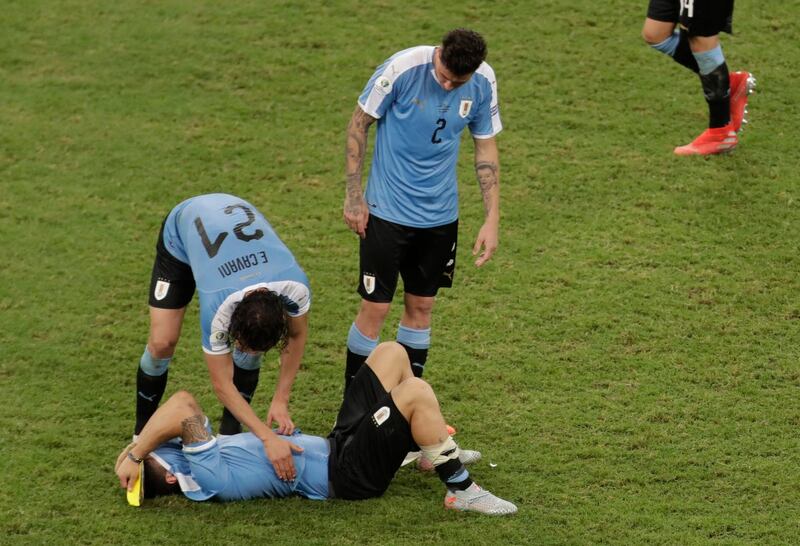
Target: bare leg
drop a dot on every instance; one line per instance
(414, 332)
(654, 32)
(390, 364)
(417, 402)
(165, 330)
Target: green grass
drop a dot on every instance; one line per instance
(628, 360)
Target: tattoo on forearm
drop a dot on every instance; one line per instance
(487, 179)
(193, 429)
(355, 150)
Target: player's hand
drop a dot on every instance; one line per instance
(127, 472)
(123, 454)
(279, 413)
(487, 240)
(279, 453)
(356, 214)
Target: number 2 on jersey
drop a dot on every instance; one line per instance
(441, 123)
(238, 230)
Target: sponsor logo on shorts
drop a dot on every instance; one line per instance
(369, 283)
(160, 292)
(380, 416)
(464, 108)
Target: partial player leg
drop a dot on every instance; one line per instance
(664, 37)
(363, 336)
(151, 377)
(417, 402)
(720, 136)
(246, 370)
(414, 332)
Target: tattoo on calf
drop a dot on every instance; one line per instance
(193, 429)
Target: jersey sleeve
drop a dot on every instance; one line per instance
(296, 296)
(486, 122)
(379, 92)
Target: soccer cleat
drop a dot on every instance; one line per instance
(742, 85)
(475, 499)
(712, 141)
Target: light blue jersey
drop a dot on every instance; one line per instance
(413, 176)
(236, 468)
(232, 249)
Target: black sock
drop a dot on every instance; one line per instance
(451, 468)
(149, 390)
(717, 91)
(683, 54)
(354, 363)
(418, 357)
(245, 382)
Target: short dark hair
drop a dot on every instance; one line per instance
(260, 322)
(155, 480)
(463, 51)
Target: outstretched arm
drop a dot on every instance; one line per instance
(279, 451)
(291, 356)
(356, 212)
(487, 168)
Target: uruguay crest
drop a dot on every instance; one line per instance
(464, 108)
(369, 283)
(160, 292)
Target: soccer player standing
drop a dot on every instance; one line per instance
(696, 46)
(422, 99)
(253, 296)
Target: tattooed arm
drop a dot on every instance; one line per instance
(356, 211)
(175, 417)
(487, 168)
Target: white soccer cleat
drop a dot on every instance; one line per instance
(475, 499)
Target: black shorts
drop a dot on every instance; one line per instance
(369, 441)
(424, 257)
(171, 283)
(698, 17)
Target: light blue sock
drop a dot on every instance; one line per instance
(153, 367)
(668, 46)
(358, 343)
(709, 60)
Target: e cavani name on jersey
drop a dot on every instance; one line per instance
(241, 263)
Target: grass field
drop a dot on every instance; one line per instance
(628, 360)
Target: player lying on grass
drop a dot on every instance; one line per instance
(386, 413)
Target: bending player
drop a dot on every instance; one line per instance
(386, 413)
(253, 296)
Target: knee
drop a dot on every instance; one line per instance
(162, 346)
(418, 390)
(392, 350)
(656, 32)
(370, 318)
(184, 399)
(419, 311)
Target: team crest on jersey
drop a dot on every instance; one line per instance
(380, 416)
(160, 292)
(383, 85)
(369, 283)
(464, 108)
